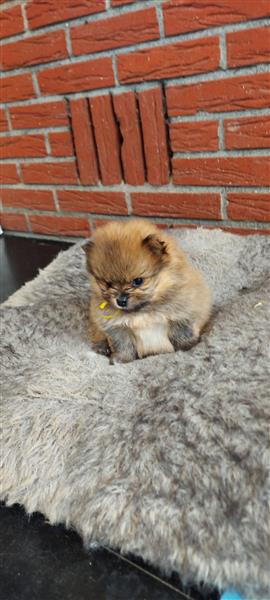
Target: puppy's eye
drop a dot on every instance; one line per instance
(108, 284)
(137, 282)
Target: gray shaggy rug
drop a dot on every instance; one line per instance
(167, 457)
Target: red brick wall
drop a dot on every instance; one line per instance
(126, 107)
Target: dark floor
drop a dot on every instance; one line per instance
(20, 260)
(40, 562)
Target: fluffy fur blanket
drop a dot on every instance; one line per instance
(167, 457)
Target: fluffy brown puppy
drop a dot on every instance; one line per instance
(146, 296)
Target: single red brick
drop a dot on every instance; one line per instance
(168, 204)
(249, 207)
(234, 93)
(17, 87)
(194, 136)
(84, 141)
(61, 143)
(22, 146)
(248, 132)
(184, 225)
(115, 3)
(50, 225)
(154, 136)
(3, 120)
(248, 47)
(13, 222)
(77, 77)
(45, 114)
(174, 60)
(107, 139)
(245, 231)
(34, 50)
(50, 172)
(8, 173)
(237, 171)
(45, 12)
(182, 16)
(11, 21)
(123, 30)
(126, 111)
(23, 198)
(102, 202)
(101, 222)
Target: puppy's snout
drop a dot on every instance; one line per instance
(122, 300)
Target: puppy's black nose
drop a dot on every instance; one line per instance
(122, 300)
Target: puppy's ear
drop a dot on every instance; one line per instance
(155, 245)
(88, 246)
(88, 249)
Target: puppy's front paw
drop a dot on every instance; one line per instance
(183, 335)
(102, 347)
(122, 345)
(120, 357)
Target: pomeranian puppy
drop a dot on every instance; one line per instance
(146, 297)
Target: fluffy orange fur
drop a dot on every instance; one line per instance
(165, 312)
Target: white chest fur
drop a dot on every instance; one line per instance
(152, 339)
(150, 332)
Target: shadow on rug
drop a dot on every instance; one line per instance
(167, 457)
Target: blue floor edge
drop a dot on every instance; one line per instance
(231, 595)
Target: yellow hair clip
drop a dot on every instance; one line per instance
(103, 305)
